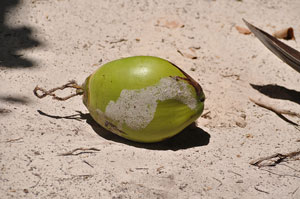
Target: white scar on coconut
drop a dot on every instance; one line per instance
(136, 108)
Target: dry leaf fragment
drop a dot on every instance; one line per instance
(169, 23)
(241, 123)
(243, 30)
(194, 49)
(118, 41)
(287, 34)
(190, 56)
(187, 55)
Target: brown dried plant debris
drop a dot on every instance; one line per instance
(194, 48)
(13, 140)
(70, 84)
(286, 33)
(169, 23)
(274, 159)
(243, 30)
(187, 55)
(81, 149)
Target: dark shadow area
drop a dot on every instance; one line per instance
(286, 119)
(278, 92)
(14, 39)
(4, 111)
(190, 137)
(15, 99)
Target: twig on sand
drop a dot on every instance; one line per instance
(218, 181)
(290, 167)
(274, 109)
(281, 175)
(232, 75)
(257, 189)
(274, 159)
(206, 115)
(87, 163)
(118, 41)
(13, 140)
(235, 173)
(83, 150)
(295, 191)
(36, 184)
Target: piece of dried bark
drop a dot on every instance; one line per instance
(287, 34)
(243, 30)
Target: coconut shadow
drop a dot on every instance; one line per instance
(190, 137)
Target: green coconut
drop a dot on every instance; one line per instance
(143, 98)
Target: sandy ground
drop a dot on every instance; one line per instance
(51, 42)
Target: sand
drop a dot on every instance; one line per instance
(48, 43)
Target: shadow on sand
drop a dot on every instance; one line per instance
(13, 39)
(278, 92)
(190, 137)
